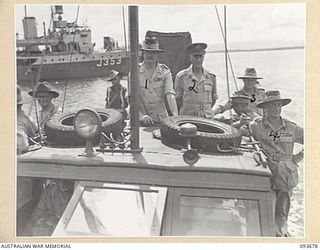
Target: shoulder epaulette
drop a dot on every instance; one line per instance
(51, 184)
(182, 72)
(239, 92)
(262, 89)
(211, 73)
(286, 120)
(163, 66)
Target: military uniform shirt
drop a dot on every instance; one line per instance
(257, 96)
(153, 90)
(204, 91)
(279, 141)
(278, 145)
(197, 95)
(116, 97)
(25, 129)
(45, 116)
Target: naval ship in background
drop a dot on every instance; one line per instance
(64, 52)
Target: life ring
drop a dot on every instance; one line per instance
(60, 131)
(212, 136)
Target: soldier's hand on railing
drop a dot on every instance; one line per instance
(219, 109)
(228, 105)
(147, 120)
(244, 119)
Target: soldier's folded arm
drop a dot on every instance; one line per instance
(144, 117)
(170, 93)
(222, 108)
(214, 92)
(125, 98)
(179, 91)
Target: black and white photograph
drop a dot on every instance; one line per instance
(160, 120)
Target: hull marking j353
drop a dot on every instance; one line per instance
(107, 62)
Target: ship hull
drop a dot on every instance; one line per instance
(61, 67)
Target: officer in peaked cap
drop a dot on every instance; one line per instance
(196, 88)
(156, 85)
(197, 48)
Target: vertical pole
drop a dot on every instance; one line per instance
(226, 49)
(44, 31)
(134, 76)
(124, 30)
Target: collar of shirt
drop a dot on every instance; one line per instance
(143, 68)
(116, 87)
(266, 123)
(192, 75)
(255, 89)
(44, 114)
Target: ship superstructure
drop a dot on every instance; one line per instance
(65, 51)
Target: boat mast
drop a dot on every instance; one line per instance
(226, 49)
(124, 30)
(134, 77)
(230, 62)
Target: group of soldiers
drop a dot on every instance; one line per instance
(45, 200)
(257, 113)
(194, 92)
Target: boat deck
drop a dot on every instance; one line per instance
(157, 164)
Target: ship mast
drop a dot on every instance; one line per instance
(226, 49)
(134, 77)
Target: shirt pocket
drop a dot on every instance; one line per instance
(155, 94)
(286, 137)
(207, 89)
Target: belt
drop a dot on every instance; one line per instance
(280, 157)
(200, 106)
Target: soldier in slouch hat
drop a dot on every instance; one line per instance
(277, 136)
(250, 89)
(156, 85)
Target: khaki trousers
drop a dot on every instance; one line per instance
(281, 207)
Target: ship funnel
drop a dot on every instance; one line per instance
(29, 27)
(108, 43)
(58, 22)
(58, 9)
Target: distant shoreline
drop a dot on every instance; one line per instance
(253, 50)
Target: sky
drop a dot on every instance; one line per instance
(257, 25)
